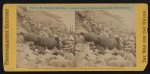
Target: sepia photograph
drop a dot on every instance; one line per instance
(45, 38)
(105, 38)
(75, 38)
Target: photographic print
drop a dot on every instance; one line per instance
(106, 38)
(75, 38)
(45, 38)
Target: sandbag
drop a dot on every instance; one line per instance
(50, 43)
(109, 42)
(90, 37)
(29, 37)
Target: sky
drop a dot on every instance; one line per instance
(128, 17)
(68, 17)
